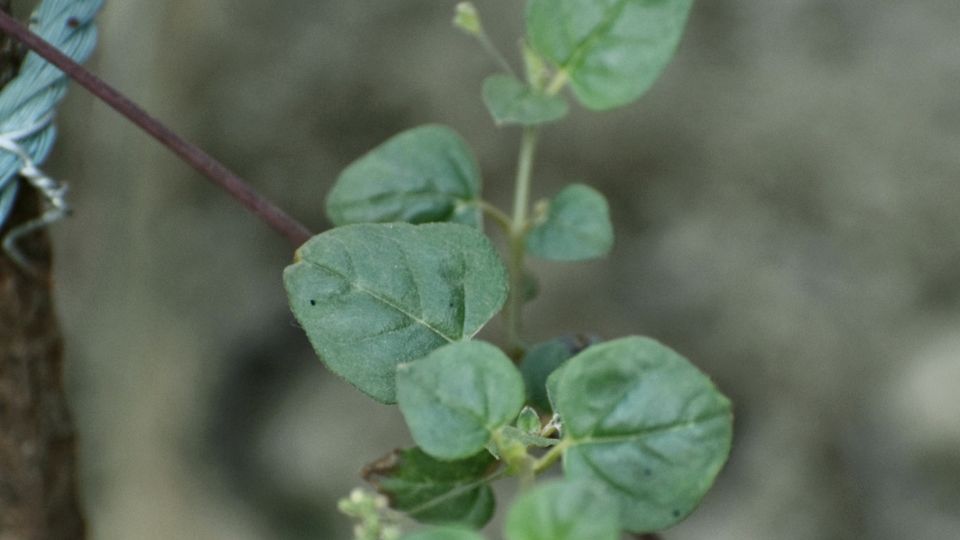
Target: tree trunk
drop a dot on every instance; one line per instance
(38, 494)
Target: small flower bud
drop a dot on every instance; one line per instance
(467, 19)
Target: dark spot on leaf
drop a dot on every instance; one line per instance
(313, 302)
(72, 22)
(647, 472)
(676, 513)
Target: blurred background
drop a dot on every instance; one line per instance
(787, 207)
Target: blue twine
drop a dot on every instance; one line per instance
(27, 103)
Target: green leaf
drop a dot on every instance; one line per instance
(543, 359)
(443, 533)
(454, 398)
(612, 50)
(553, 382)
(513, 102)
(509, 434)
(434, 491)
(372, 296)
(422, 175)
(646, 423)
(577, 227)
(564, 510)
(528, 421)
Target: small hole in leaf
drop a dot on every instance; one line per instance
(72, 22)
(313, 302)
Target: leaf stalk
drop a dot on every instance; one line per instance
(558, 82)
(551, 457)
(499, 216)
(518, 230)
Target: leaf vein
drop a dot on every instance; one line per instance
(382, 299)
(580, 49)
(654, 430)
(455, 492)
(611, 481)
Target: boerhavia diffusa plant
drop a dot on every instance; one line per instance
(393, 297)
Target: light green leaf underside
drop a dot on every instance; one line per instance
(372, 296)
(612, 50)
(577, 227)
(455, 397)
(564, 510)
(647, 424)
(426, 174)
(513, 102)
(434, 491)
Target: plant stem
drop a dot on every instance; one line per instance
(528, 475)
(558, 82)
(495, 53)
(551, 457)
(521, 201)
(518, 230)
(502, 219)
(205, 164)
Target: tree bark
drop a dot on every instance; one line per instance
(38, 493)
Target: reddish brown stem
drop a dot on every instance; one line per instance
(205, 164)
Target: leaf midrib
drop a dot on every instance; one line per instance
(609, 18)
(456, 491)
(382, 299)
(655, 430)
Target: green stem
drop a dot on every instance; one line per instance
(501, 218)
(518, 230)
(528, 475)
(495, 53)
(551, 457)
(558, 82)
